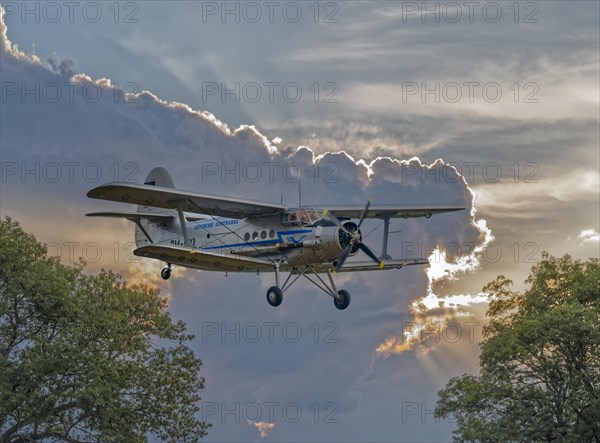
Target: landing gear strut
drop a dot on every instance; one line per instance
(275, 293)
(341, 298)
(166, 272)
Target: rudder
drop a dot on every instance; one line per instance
(159, 176)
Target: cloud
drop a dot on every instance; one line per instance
(13, 50)
(589, 236)
(263, 427)
(434, 313)
(572, 185)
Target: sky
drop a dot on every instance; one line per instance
(490, 105)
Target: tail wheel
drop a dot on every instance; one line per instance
(342, 300)
(274, 295)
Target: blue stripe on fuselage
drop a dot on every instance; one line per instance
(279, 239)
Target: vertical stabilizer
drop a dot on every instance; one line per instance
(159, 176)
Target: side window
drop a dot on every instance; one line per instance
(254, 235)
(272, 233)
(247, 236)
(263, 234)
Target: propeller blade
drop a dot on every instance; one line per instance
(364, 214)
(336, 221)
(343, 257)
(367, 251)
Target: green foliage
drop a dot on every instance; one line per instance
(540, 361)
(88, 358)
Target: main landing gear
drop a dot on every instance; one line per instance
(274, 296)
(166, 272)
(341, 298)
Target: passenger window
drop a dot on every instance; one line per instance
(263, 234)
(254, 235)
(272, 233)
(247, 236)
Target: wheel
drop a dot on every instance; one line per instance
(165, 273)
(342, 300)
(274, 296)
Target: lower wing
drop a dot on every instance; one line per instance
(358, 266)
(210, 261)
(200, 259)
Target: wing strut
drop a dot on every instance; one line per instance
(138, 222)
(186, 239)
(386, 233)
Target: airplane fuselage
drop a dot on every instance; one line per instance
(252, 237)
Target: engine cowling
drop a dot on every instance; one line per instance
(344, 238)
(334, 240)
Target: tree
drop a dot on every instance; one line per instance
(88, 358)
(539, 374)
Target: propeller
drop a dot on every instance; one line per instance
(354, 238)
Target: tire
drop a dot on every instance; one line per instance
(343, 300)
(274, 296)
(165, 273)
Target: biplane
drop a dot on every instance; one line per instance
(228, 234)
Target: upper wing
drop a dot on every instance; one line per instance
(133, 216)
(136, 216)
(170, 198)
(393, 211)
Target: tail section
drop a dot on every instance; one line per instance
(159, 176)
(151, 224)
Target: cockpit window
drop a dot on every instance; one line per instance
(300, 216)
